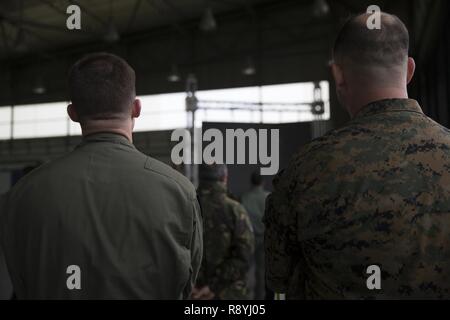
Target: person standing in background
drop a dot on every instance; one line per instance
(254, 201)
(228, 240)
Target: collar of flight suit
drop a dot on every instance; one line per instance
(389, 105)
(106, 137)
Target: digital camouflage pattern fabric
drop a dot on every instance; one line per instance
(228, 242)
(375, 192)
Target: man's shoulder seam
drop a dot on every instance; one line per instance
(186, 185)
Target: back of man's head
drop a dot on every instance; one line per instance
(102, 87)
(213, 172)
(357, 46)
(256, 179)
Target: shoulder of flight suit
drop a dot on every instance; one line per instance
(31, 177)
(160, 168)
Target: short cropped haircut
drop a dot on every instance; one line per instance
(358, 45)
(256, 179)
(101, 86)
(213, 172)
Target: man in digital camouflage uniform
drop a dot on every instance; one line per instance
(375, 192)
(228, 239)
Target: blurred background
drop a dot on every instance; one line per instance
(246, 63)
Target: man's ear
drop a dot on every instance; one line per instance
(411, 70)
(136, 109)
(338, 75)
(73, 115)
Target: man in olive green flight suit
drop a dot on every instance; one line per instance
(104, 221)
(364, 211)
(228, 238)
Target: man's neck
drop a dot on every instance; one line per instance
(366, 97)
(114, 126)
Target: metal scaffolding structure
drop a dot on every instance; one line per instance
(193, 105)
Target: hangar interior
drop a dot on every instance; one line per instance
(251, 59)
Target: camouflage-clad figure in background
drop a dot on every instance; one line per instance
(228, 238)
(375, 192)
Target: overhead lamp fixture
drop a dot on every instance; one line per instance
(174, 75)
(208, 22)
(320, 8)
(249, 68)
(39, 87)
(111, 35)
(20, 45)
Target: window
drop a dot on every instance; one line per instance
(40, 120)
(162, 112)
(5, 123)
(268, 104)
(271, 97)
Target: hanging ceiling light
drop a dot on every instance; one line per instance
(20, 44)
(249, 68)
(111, 35)
(208, 22)
(174, 75)
(320, 8)
(39, 87)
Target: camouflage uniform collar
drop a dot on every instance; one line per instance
(389, 105)
(106, 137)
(214, 186)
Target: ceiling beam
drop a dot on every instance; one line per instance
(54, 7)
(4, 38)
(174, 8)
(19, 22)
(133, 15)
(173, 22)
(89, 13)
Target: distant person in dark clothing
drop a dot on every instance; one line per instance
(254, 202)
